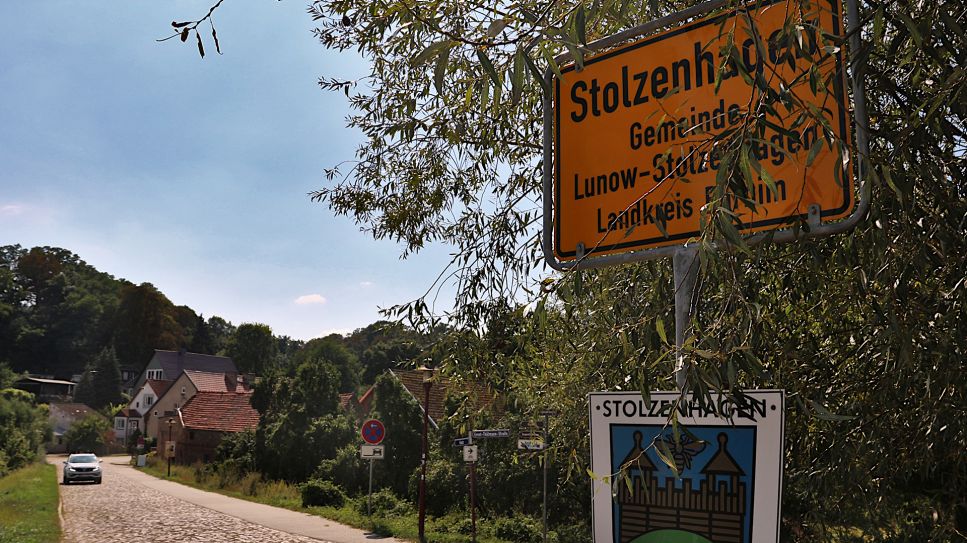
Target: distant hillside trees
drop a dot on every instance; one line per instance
(100, 385)
(253, 348)
(146, 321)
(57, 313)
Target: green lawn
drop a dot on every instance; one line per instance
(28, 506)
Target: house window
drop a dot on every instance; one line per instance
(119, 424)
(134, 424)
(155, 374)
(148, 400)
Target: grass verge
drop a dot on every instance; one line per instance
(453, 528)
(28, 505)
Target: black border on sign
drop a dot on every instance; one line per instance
(836, 9)
(781, 407)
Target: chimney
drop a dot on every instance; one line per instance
(231, 381)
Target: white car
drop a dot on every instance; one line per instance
(82, 467)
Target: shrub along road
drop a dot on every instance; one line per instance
(132, 506)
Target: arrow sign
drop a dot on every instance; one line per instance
(461, 442)
(470, 453)
(485, 434)
(530, 444)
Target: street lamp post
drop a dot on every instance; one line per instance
(427, 383)
(171, 422)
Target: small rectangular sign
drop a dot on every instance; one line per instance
(493, 433)
(470, 453)
(169, 449)
(719, 471)
(372, 452)
(461, 442)
(530, 444)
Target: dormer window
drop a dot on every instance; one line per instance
(155, 374)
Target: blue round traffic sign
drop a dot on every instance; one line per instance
(373, 432)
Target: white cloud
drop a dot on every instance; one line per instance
(310, 299)
(11, 209)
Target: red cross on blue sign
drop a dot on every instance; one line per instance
(373, 432)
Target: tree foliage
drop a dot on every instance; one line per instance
(57, 313)
(24, 430)
(252, 347)
(89, 434)
(300, 422)
(865, 330)
(331, 351)
(403, 419)
(100, 384)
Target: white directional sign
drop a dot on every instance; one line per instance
(484, 434)
(530, 444)
(470, 453)
(716, 476)
(372, 452)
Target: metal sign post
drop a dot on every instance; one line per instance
(546, 414)
(685, 271)
(473, 502)
(371, 452)
(470, 455)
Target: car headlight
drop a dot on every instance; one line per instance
(70, 468)
(97, 469)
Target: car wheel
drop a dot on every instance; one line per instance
(65, 480)
(97, 482)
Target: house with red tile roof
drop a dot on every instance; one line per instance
(187, 385)
(480, 396)
(206, 418)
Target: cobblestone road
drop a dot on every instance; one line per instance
(123, 510)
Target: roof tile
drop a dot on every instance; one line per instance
(220, 412)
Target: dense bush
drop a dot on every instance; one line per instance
(237, 451)
(346, 469)
(446, 485)
(574, 533)
(90, 434)
(519, 529)
(385, 504)
(318, 492)
(23, 430)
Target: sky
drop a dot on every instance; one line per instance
(155, 165)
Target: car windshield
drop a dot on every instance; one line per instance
(83, 459)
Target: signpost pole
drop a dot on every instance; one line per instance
(685, 270)
(369, 504)
(473, 502)
(546, 415)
